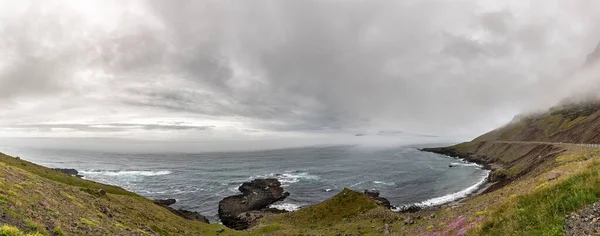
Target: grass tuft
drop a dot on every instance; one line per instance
(87, 222)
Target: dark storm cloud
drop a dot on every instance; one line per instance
(429, 66)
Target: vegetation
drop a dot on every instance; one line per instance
(543, 211)
(38, 200)
(60, 177)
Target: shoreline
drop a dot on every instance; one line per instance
(482, 187)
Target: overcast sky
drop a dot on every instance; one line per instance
(222, 71)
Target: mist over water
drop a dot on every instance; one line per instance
(199, 181)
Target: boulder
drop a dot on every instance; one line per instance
(242, 211)
(165, 202)
(189, 215)
(374, 195)
(72, 172)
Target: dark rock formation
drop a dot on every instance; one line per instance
(165, 202)
(409, 208)
(243, 211)
(189, 215)
(72, 172)
(374, 195)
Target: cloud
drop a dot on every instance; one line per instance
(303, 67)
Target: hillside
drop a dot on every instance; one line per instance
(569, 123)
(37, 199)
(543, 171)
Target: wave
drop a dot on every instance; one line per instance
(290, 177)
(286, 206)
(465, 164)
(384, 183)
(449, 197)
(454, 196)
(124, 173)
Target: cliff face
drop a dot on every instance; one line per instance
(571, 123)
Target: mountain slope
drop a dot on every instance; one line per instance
(570, 123)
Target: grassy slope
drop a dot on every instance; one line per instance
(543, 209)
(38, 199)
(578, 123)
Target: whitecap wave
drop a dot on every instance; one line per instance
(290, 177)
(453, 196)
(449, 197)
(465, 164)
(384, 183)
(286, 206)
(124, 173)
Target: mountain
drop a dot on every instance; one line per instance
(577, 122)
(593, 56)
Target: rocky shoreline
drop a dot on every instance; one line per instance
(243, 211)
(493, 181)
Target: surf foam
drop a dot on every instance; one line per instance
(454, 196)
(124, 173)
(286, 206)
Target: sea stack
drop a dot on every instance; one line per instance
(243, 211)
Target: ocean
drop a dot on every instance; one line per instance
(403, 174)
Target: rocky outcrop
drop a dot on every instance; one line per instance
(165, 202)
(72, 172)
(374, 195)
(189, 215)
(243, 211)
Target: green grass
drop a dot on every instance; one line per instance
(345, 205)
(61, 177)
(57, 231)
(159, 230)
(7, 230)
(32, 225)
(542, 212)
(87, 222)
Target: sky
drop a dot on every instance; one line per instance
(264, 73)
